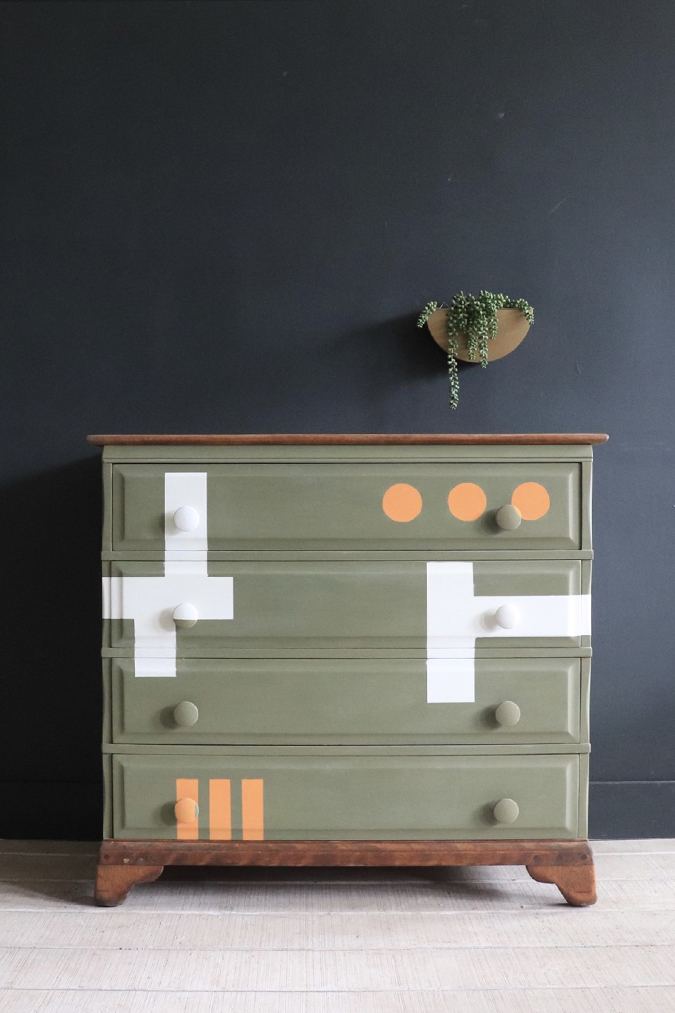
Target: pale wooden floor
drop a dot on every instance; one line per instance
(360, 941)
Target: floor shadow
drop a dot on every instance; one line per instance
(80, 893)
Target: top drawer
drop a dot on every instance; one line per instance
(346, 506)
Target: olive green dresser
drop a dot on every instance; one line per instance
(354, 650)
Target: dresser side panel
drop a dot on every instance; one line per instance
(107, 761)
(582, 831)
(106, 538)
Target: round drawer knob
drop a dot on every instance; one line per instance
(187, 713)
(507, 714)
(506, 811)
(185, 615)
(508, 517)
(186, 810)
(186, 518)
(507, 616)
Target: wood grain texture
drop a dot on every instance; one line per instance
(113, 882)
(566, 864)
(346, 853)
(353, 439)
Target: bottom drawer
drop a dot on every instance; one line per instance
(338, 796)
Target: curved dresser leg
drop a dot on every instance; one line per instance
(113, 882)
(575, 882)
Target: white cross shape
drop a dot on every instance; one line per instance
(456, 617)
(150, 601)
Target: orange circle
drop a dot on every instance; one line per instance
(402, 502)
(532, 500)
(467, 501)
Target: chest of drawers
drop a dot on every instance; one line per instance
(346, 650)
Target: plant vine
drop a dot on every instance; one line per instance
(475, 317)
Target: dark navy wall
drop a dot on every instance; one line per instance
(225, 216)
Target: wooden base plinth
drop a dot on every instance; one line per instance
(567, 864)
(575, 882)
(113, 882)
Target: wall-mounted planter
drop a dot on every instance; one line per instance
(512, 328)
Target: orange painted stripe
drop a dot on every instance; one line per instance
(188, 788)
(220, 809)
(252, 816)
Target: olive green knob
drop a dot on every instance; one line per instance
(507, 714)
(186, 714)
(508, 517)
(186, 810)
(506, 811)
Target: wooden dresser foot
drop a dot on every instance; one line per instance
(113, 882)
(575, 882)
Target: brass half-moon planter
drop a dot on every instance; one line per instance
(512, 326)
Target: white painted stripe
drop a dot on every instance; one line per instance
(450, 652)
(154, 668)
(540, 616)
(456, 617)
(449, 594)
(105, 588)
(451, 681)
(150, 602)
(186, 488)
(175, 567)
(115, 597)
(155, 652)
(196, 555)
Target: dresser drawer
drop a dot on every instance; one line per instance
(266, 608)
(346, 506)
(347, 701)
(349, 797)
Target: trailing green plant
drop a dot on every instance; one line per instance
(475, 316)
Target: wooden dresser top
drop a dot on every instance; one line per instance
(353, 439)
